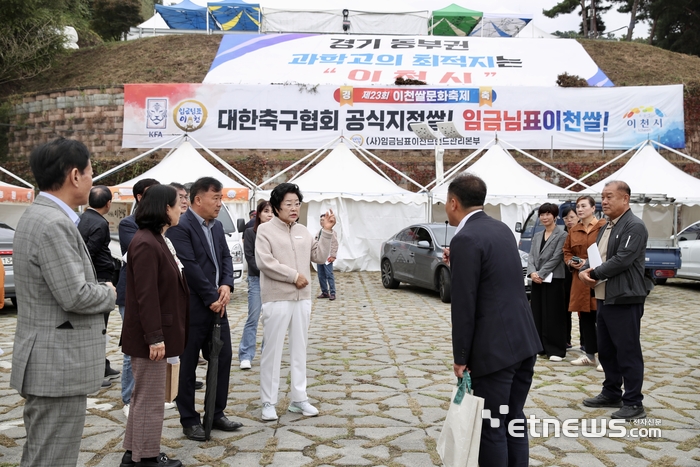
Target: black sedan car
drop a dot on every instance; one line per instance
(414, 255)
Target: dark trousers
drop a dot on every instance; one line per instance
(589, 335)
(620, 351)
(508, 386)
(550, 315)
(198, 339)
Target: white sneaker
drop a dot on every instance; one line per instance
(269, 413)
(125, 409)
(245, 365)
(170, 405)
(583, 360)
(304, 408)
(599, 368)
(555, 358)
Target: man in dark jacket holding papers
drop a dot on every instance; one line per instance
(620, 290)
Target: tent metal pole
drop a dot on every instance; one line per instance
(16, 177)
(546, 165)
(429, 207)
(387, 165)
(218, 159)
(136, 159)
(636, 146)
(677, 152)
(322, 148)
(450, 173)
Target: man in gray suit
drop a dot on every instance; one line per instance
(59, 348)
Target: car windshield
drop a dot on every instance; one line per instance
(225, 218)
(439, 233)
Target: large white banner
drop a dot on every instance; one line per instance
(354, 60)
(306, 117)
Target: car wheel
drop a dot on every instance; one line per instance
(388, 280)
(661, 281)
(445, 285)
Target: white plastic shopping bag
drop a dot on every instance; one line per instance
(458, 444)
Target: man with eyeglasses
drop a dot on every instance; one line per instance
(284, 250)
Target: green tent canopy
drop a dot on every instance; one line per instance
(454, 20)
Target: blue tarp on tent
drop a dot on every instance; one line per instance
(235, 15)
(185, 15)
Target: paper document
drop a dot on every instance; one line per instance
(594, 258)
(548, 279)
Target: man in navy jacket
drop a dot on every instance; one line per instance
(493, 334)
(200, 243)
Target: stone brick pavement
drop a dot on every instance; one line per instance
(380, 373)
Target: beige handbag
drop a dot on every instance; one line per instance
(458, 444)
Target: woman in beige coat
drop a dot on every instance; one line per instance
(284, 250)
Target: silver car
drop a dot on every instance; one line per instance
(7, 236)
(689, 242)
(414, 255)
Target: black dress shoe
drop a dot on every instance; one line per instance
(602, 401)
(195, 433)
(198, 385)
(224, 424)
(161, 461)
(630, 412)
(128, 462)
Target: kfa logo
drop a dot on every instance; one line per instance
(156, 114)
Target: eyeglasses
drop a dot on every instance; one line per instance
(182, 196)
(291, 205)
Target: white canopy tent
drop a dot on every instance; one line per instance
(369, 207)
(649, 172)
(14, 199)
(501, 23)
(513, 191)
(533, 32)
(183, 164)
(364, 16)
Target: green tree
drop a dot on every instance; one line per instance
(30, 36)
(635, 9)
(592, 24)
(111, 19)
(676, 25)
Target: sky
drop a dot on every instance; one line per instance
(613, 19)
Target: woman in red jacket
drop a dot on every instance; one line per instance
(155, 323)
(581, 236)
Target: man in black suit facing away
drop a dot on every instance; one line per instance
(200, 243)
(493, 334)
(94, 229)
